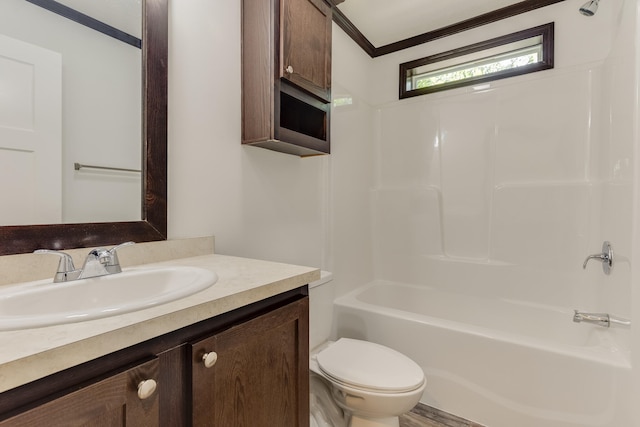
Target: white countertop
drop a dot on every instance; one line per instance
(26, 355)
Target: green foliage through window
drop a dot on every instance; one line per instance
(441, 77)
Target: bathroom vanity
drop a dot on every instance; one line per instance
(233, 354)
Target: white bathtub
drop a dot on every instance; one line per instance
(501, 363)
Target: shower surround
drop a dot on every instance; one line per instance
(499, 193)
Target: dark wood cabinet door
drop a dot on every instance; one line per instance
(111, 402)
(261, 374)
(306, 45)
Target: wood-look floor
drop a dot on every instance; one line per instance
(426, 416)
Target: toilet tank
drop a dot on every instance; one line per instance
(321, 295)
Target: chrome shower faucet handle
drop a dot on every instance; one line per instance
(606, 257)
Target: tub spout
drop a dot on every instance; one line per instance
(601, 319)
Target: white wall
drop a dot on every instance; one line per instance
(631, 87)
(526, 147)
(257, 203)
(550, 152)
(616, 167)
(352, 156)
(499, 191)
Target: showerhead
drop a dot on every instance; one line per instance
(589, 8)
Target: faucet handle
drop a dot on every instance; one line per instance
(113, 250)
(112, 259)
(65, 265)
(606, 257)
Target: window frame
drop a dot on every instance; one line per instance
(546, 31)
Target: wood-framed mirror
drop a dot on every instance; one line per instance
(153, 225)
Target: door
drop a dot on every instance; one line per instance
(306, 45)
(255, 374)
(119, 400)
(30, 134)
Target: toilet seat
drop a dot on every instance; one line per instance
(368, 366)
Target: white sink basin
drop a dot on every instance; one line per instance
(44, 303)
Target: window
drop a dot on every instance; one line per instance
(511, 55)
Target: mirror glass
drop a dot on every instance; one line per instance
(145, 127)
(70, 106)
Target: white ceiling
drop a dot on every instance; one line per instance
(388, 21)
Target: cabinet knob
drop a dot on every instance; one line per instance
(210, 359)
(146, 389)
(289, 69)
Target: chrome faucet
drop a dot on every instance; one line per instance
(605, 257)
(600, 319)
(66, 270)
(99, 262)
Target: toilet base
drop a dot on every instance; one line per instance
(359, 421)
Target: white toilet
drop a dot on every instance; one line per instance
(372, 383)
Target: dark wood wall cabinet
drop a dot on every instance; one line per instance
(286, 75)
(248, 367)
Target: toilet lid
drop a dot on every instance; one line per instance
(370, 366)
